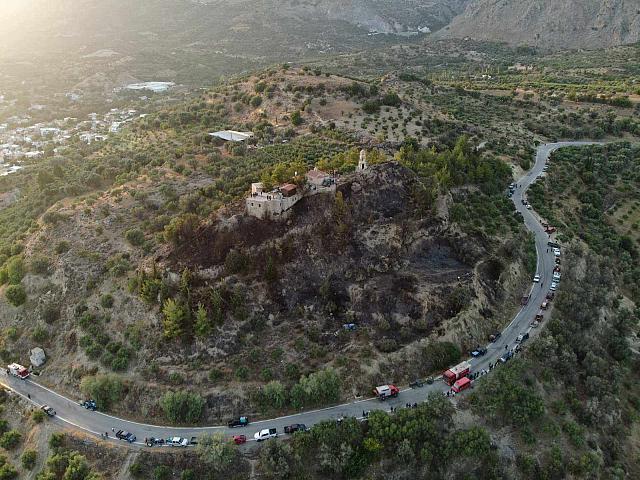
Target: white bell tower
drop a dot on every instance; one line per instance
(362, 163)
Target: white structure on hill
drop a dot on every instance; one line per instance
(279, 202)
(362, 163)
(274, 204)
(232, 135)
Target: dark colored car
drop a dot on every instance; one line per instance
(494, 336)
(124, 435)
(238, 422)
(48, 410)
(152, 441)
(506, 357)
(89, 405)
(296, 427)
(479, 352)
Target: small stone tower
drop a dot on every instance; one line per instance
(362, 164)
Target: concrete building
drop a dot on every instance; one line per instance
(278, 203)
(272, 205)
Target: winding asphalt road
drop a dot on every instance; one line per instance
(96, 423)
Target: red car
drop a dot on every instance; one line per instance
(239, 439)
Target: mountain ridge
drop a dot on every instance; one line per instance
(553, 25)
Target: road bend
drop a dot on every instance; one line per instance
(71, 414)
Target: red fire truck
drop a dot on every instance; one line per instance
(17, 370)
(385, 391)
(456, 373)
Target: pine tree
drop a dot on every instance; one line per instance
(174, 317)
(203, 324)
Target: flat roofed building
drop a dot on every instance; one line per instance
(232, 135)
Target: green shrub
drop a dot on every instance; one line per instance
(216, 451)
(322, 387)
(188, 474)
(136, 470)
(242, 372)
(181, 229)
(391, 99)
(7, 471)
(182, 406)
(56, 440)
(28, 459)
(296, 118)
(256, 101)
(162, 472)
(62, 247)
(371, 106)
(38, 416)
(106, 301)
(16, 295)
(135, 237)
(15, 270)
(10, 439)
(118, 265)
(39, 334)
(104, 389)
(40, 265)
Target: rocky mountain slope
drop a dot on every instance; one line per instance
(550, 24)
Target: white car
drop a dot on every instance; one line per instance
(554, 287)
(265, 434)
(536, 279)
(556, 277)
(556, 252)
(178, 442)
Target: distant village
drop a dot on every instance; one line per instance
(21, 138)
(25, 140)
